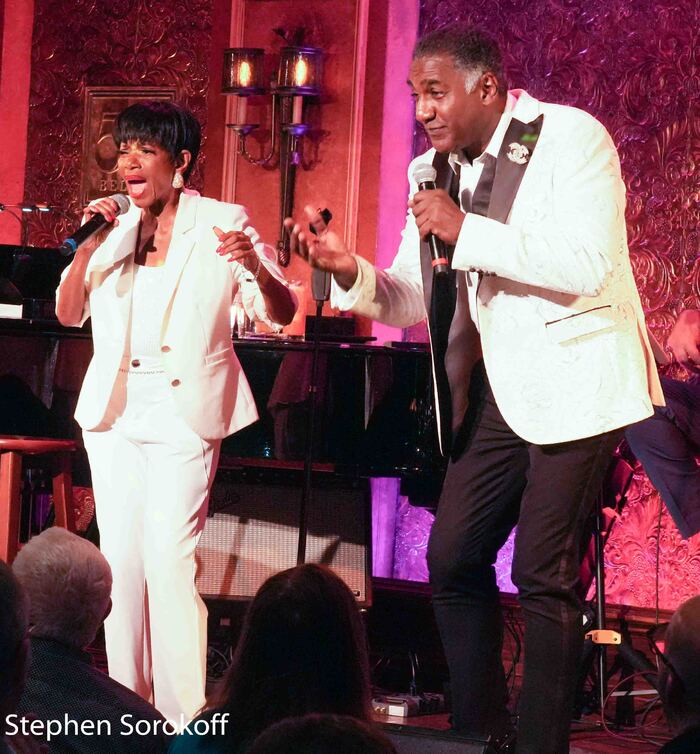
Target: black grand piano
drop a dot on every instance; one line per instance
(375, 416)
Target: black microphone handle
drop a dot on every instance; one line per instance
(438, 255)
(71, 244)
(437, 247)
(320, 284)
(320, 279)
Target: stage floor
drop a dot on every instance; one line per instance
(587, 737)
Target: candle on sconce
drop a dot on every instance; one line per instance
(301, 74)
(245, 73)
(242, 110)
(245, 76)
(297, 105)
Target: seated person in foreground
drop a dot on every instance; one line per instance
(302, 649)
(668, 442)
(679, 682)
(322, 734)
(68, 583)
(14, 649)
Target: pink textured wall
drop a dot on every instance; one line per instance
(636, 67)
(125, 43)
(16, 18)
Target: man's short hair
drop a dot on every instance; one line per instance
(473, 51)
(68, 583)
(13, 629)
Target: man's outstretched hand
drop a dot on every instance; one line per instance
(325, 251)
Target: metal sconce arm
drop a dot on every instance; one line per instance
(243, 129)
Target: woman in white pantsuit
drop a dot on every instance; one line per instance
(162, 390)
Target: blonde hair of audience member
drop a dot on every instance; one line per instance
(679, 681)
(302, 649)
(322, 734)
(68, 583)
(14, 646)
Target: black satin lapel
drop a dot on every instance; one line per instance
(509, 173)
(440, 300)
(482, 192)
(447, 179)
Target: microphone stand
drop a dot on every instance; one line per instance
(321, 291)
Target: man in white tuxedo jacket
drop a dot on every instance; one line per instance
(540, 358)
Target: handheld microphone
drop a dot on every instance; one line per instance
(424, 175)
(92, 226)
(320, 280)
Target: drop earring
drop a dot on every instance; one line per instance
(178, 181)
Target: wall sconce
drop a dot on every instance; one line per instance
(298, 76)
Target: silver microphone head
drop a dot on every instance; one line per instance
(122, 202)
(424, 173)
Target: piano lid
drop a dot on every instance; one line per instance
(35, 271)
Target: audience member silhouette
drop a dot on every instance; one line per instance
(68, 582)
(679, 683)
(14, 650)
(302, 649)
(322, 734)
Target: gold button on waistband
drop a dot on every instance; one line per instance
(135, 363)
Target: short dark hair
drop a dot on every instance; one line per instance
(302, 649)
(323, 734)
(472, 50)
(164, 123)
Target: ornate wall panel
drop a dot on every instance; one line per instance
(93, 43)
(636, 67)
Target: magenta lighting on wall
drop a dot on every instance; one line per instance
(298, 78)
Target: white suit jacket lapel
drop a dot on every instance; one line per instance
(119, 243)
(118, 248)
(181, 245)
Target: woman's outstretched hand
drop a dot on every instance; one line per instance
(239, 248)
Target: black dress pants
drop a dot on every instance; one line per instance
(497, 481)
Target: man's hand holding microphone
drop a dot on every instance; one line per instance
(438, 218)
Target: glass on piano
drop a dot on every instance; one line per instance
(242, 326)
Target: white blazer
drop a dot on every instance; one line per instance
(561, 325)
(210, 390)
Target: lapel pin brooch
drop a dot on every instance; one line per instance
(518, 153)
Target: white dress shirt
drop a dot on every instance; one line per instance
(469, 175)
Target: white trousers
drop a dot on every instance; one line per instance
(151, 478)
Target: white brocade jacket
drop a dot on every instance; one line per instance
(561, 326)
(211, 392)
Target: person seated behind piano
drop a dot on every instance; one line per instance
(163, 388)
(668, 443)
